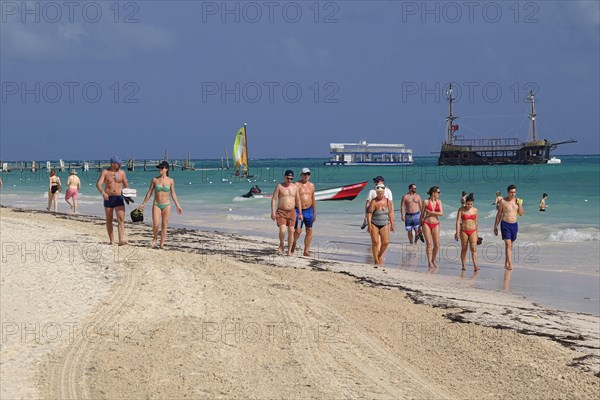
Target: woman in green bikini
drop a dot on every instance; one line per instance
(162, 185)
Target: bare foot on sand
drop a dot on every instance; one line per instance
(292, 249)
(507, 267)
(463, 267)
(153, 243)
(122, 243)
(306, 254)
(280, 251)
(476, 268)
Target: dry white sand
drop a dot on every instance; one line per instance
(219, 316)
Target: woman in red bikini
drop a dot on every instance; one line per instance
(429, 224)
(466, 229)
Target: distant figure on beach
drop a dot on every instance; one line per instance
(53, 190)
(114, 180)
(498, 199)
(73, 187)
(380, 214)
(543, 205)
(463, 199)
(431, 209)
(309, 211)
(162, 186)
(410, 212)
(287, 196)
(509, 209)
(466, 230)
(378, 180)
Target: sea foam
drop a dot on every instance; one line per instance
(571, 235)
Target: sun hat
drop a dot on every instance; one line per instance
(380, 188)
(305, 171)
(73, 172)
(116, 160)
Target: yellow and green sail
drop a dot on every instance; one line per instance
(240, 151)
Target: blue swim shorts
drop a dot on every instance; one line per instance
(411, 221)
(509, 230)
(308, 215)
(114, 201)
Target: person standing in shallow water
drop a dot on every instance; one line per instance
(287, 196)
(162, 186)
(466, 230)
(73, 187)
(431, 210)
(53, 190)
(114, 180)
(543, 205)
(509, 209)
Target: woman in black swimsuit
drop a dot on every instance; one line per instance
(53, 190)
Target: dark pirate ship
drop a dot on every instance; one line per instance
(456, 150)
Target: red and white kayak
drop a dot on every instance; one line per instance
(348, 192)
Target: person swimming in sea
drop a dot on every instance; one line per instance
(543, 205)
(466, 230)
(498, 199)
(163, 187)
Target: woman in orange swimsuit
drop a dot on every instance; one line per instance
(431, 209)
(466, 224)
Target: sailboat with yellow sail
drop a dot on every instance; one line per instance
(240, 154)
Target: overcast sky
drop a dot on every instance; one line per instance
(87, 80)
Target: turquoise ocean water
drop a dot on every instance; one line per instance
(556, 257)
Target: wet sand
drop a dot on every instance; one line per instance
(221, 316)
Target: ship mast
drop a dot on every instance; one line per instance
(450, 118)
(532, 116)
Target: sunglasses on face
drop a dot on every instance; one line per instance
(306, 174)
(290, 179)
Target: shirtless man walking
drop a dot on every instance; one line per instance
(114, 180)
(509, 208)
(410, 210)
(309, 211)
(287, 196)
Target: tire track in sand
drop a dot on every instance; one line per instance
(67, 381)
(360, 356)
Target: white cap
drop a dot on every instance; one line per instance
(305, 171)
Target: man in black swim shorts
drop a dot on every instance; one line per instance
(114, 180)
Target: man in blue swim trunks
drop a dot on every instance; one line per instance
(114, 180)
(309, 211)
(509, 208)
(410, 210)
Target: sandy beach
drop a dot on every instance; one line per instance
(221, 316)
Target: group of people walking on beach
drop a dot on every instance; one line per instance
(421, 220)
(73, 187)
(420, 217)
(114, 179)
(293, 207)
